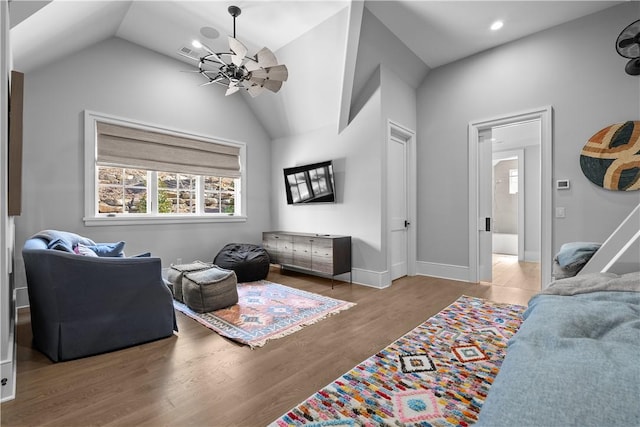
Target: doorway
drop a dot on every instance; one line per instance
(516, 185)
(401, 202)
(492, 142)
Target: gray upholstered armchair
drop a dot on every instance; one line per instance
(81, 305)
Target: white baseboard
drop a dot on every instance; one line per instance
(532, 256)
(443, 271)
(374, 279)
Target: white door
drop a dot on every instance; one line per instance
(397, 163)
(485, 207)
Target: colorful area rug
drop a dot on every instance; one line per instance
(438, 374)
(266, 311)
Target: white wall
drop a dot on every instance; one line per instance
(309, 99)
(358, 155)
(574, 68)
(357, 170)
(120, 78)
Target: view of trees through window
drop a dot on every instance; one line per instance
(123, 190)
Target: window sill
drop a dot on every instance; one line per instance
(155, 220)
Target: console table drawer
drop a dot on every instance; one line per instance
(317, 253)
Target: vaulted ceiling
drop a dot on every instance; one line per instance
(437, 32)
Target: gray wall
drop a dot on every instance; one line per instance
(7, 302)
(574, 68)
(357, 152)
(122, 79)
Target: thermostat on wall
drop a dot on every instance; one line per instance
(562, 184)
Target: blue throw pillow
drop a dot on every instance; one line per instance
(108, 249)
(60, 245)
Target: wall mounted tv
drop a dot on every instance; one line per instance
(310, 184)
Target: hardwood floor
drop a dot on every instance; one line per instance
(201, 379)
(509, 272)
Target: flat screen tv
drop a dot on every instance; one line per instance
(310, 184)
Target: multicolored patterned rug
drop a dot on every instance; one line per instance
(266, 311)
(438, 374)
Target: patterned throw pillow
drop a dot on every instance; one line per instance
(84, 251)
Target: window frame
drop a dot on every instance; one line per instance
(91, 216)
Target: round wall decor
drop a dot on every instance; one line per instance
(611, 157)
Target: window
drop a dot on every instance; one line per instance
(513, 181)
(143, 174)
(122, 190)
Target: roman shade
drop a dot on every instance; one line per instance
(139, 148)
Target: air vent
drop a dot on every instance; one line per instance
(188, 52)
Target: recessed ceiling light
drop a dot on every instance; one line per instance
(196, 44)
(496, 25)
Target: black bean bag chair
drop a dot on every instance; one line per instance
(250, 262)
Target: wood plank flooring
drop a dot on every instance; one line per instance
(198, 378)
(509, 272)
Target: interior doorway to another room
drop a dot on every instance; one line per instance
(509, 200)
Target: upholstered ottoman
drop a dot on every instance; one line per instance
(210, 289)
(250, 262)
(176, 272)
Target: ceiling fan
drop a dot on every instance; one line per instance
(628, 46)
(236, 70)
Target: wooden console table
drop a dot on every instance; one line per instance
(320, 254)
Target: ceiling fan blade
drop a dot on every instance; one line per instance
(251, 65)
(260, 73)
(239, 50)
(255, 90)
(279, 72)
(256, 80)
(633, 67)
(628, 42)
(231, 90)
(272, 85)
(266, 58)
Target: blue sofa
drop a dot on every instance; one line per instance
(86, 305)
